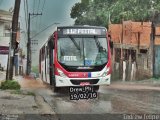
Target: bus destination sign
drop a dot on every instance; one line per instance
(82, 31)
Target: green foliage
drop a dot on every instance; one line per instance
(156, 77)
(35, 69)
(102, 12)
(10, 84)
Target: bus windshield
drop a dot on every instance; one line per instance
(82, 51)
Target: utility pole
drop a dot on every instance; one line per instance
(153, 43)
(13, 39)
(29, 45)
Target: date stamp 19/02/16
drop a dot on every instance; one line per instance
(85, 92)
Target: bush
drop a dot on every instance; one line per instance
(10, 84)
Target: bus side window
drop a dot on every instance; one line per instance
(52, 43)
(53, 56)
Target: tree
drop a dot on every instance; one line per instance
(101, 12)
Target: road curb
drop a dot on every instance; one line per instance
(134, 87)
(45, 108)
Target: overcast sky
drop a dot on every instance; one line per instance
(53, 11)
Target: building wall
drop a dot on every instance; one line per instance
(5, 23)
(131, 56)
(3, 61)
(4, 35)
(4, 41)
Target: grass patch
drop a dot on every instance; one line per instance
(30, 93)
(35, 70)
(35, 107)
(10, 84)
(156, 78)
(19, 92)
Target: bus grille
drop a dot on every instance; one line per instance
(91, 81)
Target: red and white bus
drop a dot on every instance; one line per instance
(76, 56)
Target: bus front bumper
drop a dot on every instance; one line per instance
(64, 82)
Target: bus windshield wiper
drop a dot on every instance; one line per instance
(75, 43)
(97, 42)
(99, 46)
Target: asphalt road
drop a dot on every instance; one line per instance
(111, 104)
(114, 102)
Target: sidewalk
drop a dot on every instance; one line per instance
(28, 101)
(148, 84)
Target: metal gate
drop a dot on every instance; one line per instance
(157, 61)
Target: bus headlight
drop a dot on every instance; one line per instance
(61, 73)
(105, 73)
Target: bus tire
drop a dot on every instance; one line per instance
(96, 88)
(51, 80)
(55, 89)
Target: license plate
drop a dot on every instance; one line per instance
(84, 83)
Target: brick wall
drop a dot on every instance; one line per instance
(134, 33)
(157, 38)
(115, 31)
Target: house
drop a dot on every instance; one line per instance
(132, 50)
(5, 27)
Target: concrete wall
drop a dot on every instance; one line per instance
(3, 61)
(130, 64)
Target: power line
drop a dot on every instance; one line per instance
(26, 18)
(43, 5)
(37, 21)
(33, 5)
(27, 8)
(35, 9)
(44, 29)
(42, 11)
(38, 5)
(25, 12)
(24, 32)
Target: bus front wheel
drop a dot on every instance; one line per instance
(55, 89)
(96, 88)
